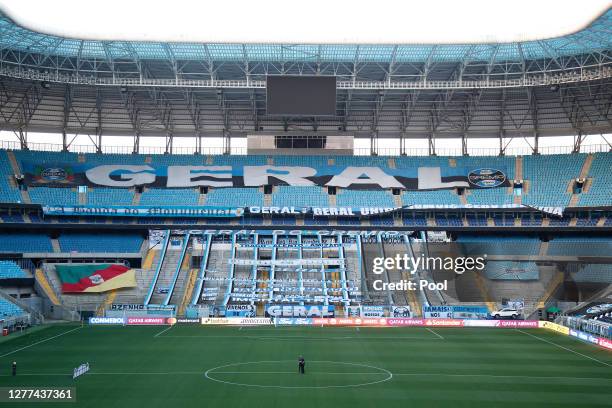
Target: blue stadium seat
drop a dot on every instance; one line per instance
(509, 270)
(430, 197)
(166, 197)
(580, 246)
(312, 196)
(235, 197)
(499, 245)
(25, 242)
(599, 193)
(596, 273)
(114, 242)
(9, 309)
(549, 177)
(54, 196)
(109, 196)
(364, 198)
(9, 269)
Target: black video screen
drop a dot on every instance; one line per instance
(301, 95)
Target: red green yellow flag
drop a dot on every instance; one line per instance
(95, 277)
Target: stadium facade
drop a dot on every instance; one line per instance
(212, 233)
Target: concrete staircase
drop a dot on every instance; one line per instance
(181, 282)
(268, 198)
(554, 283)
(584, 172)
(56, 246)
(188, 292)
(164, 280)
(106, 304)
(332, 200)
(397, 200)
(202, 199)
(136, 199)
(25, 196)
(42, 280)
(518, 168)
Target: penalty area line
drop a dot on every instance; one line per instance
(436, 333)
(564, 348)
(41, 341)
(163, 331)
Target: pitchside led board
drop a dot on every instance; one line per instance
(301, 95)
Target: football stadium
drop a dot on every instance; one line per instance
(225, 217)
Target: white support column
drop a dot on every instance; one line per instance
(301, 268)
(324, 281)
(345, 296)
(271, 280)
(254, 270)
(230, 274)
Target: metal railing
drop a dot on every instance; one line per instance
(587, 325)
(385, 151)
(547, 78)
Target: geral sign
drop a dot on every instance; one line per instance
(421, 178)
(299, 311)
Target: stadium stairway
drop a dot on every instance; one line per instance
(370, 251)
(164, 280)
(188, 292)
(106, 304)
(485, 293)
(136, 199)
(55, 245)
(13, 162)
(178, 294)
(552, 287)
(202, 199)
(151, 258)
(413, 301)
(217, 269)
(584, 173)
(518, 168)
(46, 287)
(25, 196)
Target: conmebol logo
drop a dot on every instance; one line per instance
(106, 320)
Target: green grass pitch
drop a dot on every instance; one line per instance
(228, 367)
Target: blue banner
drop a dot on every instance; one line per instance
(144, 211)
(455, 312)
(354, 176)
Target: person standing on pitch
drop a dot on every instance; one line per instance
(14, 367)
(301, 364)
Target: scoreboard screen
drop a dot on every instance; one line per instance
(301, 95)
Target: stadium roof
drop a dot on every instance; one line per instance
(558, 86)
(597, 37)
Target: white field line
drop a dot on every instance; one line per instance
(565, 348)
(436, 333)
(41, 341)
(163, 331)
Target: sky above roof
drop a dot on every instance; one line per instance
(312, 21)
